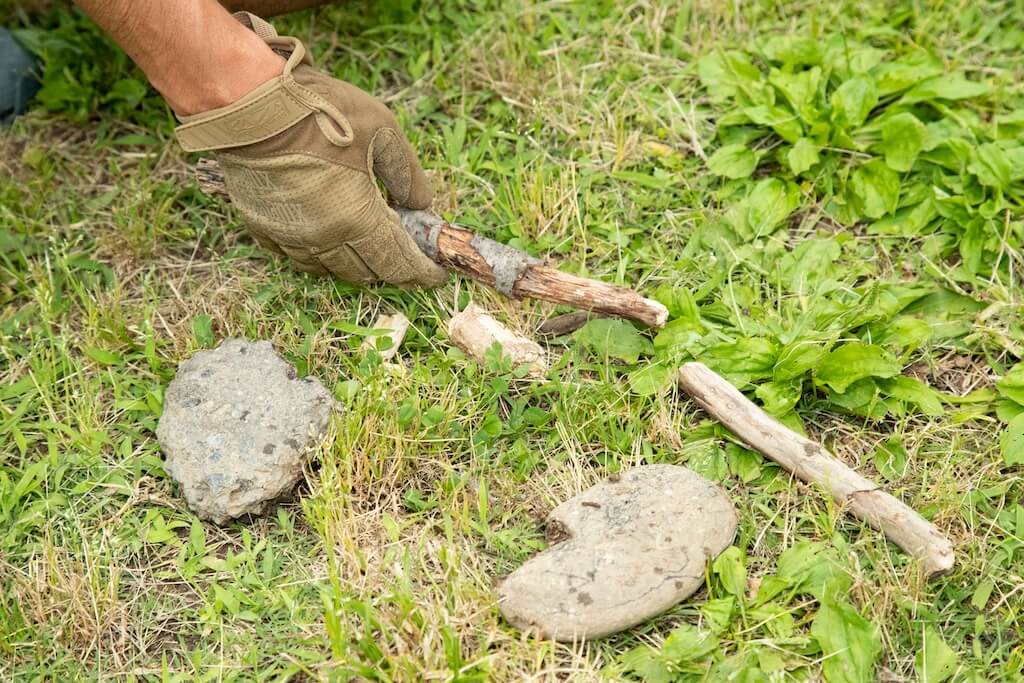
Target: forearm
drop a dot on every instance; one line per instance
(195, 53)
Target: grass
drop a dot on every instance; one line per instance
(580, 131)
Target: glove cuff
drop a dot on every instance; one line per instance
(272, 108)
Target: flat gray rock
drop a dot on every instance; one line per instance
(238, 426)
(632, 547)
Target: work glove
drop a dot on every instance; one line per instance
(301, 157)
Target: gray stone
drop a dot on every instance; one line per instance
(238, 426)
(624, 551)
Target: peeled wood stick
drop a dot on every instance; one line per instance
(510, 271)
(814, 464)
(475, 332)
(398, 325)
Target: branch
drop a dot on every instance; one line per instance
(813, 464)
(510, 271)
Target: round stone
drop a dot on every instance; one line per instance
(237, 427)
(627, 549)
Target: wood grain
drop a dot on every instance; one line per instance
(812, 463)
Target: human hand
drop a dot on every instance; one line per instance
(301, 155)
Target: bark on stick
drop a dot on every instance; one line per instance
(814, 464)
(512, 272)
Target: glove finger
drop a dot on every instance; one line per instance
(303, 260)
(392, 255)
(396, 165)
(345, 264)
(266, 242)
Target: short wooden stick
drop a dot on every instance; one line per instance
(512, 272)
(475, 331)
(398, 325)
(812, 463)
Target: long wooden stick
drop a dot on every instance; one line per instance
(510, 271)
(814, 464)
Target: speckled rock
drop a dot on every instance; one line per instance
(625, 550)
(238, 426)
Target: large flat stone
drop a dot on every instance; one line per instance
(631, 547)
(238, 426)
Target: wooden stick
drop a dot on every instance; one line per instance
(567, 323)
(814, 464)
(474, 331)
(398, 325)
(512, 272)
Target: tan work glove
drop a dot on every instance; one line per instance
(301, 155)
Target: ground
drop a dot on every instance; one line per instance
(813, 243)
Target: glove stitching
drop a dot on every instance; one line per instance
(247, 105)
(246, 161)
(188, 127)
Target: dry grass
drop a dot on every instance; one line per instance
(384, 566)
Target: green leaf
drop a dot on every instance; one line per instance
(687, 643)
(812, 568)
(197, 537)
(853, 101)
(906, 72)
(849, 642)
(778, 398)
(678, 334)
(792, 50)
(797, 358)
(717, 613)
(945, 87)
(709, 463)
(1011, 386)
(906, 222)
(647, 663)
(845, 57)
(347, 390)
(103, 357)
(1012, 441)
(802, 156)
(876, 188)
(902, 139)
(982, 593)
(912, 391)
(659, 181)
(728, 74)
(744, 360)
(801, 90)
(784, 122)
(607, 337)
(650, 380)
(1007, 410)
(733, 161)
(992, 166)
(743, 463)
(904, 332)
(860, 398)
(352, 328)
(854, 361)
(761, 212)
(202, 328)
(936, 661)
(890, 459)
(730, 571)
(809, 265)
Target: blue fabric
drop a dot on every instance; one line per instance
(18, 83)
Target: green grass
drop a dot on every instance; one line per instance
(582, 132)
